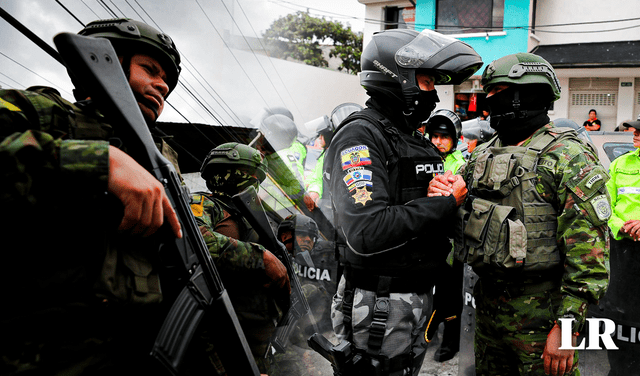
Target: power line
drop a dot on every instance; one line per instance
(256, 57)
(20, 64)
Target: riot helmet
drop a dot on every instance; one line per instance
(266, 112)
(342, 111)
(447, 122)
(279, 130)
(297, 225)
(392, 59)
(476, 129)
(130, 37)
(231, 167)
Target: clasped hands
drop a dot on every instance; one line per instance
(448, 184)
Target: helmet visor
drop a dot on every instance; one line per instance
(421, 49)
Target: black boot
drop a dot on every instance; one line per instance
(450, 341)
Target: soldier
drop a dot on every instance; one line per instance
(621, 302)
(445, 129)
(81, 288)
(392, 236)
(535, 225)
(255, 278)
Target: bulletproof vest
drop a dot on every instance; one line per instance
(505, 225)
(411, 164)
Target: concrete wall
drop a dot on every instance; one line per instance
(577, 12)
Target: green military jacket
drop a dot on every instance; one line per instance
(570, 178)
(624, 189)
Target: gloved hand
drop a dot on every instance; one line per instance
(557, 362)
(276, 272)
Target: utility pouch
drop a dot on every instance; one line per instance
(494, 236)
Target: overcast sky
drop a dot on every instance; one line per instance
(198, 28)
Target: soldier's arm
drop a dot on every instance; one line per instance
(36, 159)
(583, 210)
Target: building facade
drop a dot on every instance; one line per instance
(592, 45)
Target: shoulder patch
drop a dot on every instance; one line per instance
(355, 156)
(197, 207)
(601, 207)
(356, 176)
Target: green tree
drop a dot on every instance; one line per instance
(299, 36)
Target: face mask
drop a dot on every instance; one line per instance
(513, 125)
(426, 104)
(231, 182)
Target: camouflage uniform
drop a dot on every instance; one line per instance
(231, 242)
(514, 315)
(80, 296)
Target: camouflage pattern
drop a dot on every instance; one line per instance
(583, 241)
(90, 302)
(511, 333)
(241, 267)
(406, 325)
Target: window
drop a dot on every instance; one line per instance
(469, 16)
(400, 18)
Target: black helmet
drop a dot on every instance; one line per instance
(392, 58)
(476, 129)
(279, 130)
(447, 122)
(299, 224)
(233, 156)
(130, 36)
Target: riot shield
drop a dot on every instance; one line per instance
(466, 359)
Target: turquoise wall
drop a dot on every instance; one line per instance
(516, 14)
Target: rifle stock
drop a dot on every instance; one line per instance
(249, 204)
(94, 63)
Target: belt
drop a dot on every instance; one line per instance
(363, 279)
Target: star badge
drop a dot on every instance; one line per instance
(362, 196)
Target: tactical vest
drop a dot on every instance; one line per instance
(411, 164)
(506, 226)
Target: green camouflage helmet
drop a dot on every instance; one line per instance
(134, 36)
(521, 69)
(234, 155)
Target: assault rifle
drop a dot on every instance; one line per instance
(94, 65)
(249, 205)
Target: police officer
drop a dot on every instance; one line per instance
(314, 182)
(393, 236)
(255, 279)
(90, 300)
(445, 129)
(536, 225)
(621, 301)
